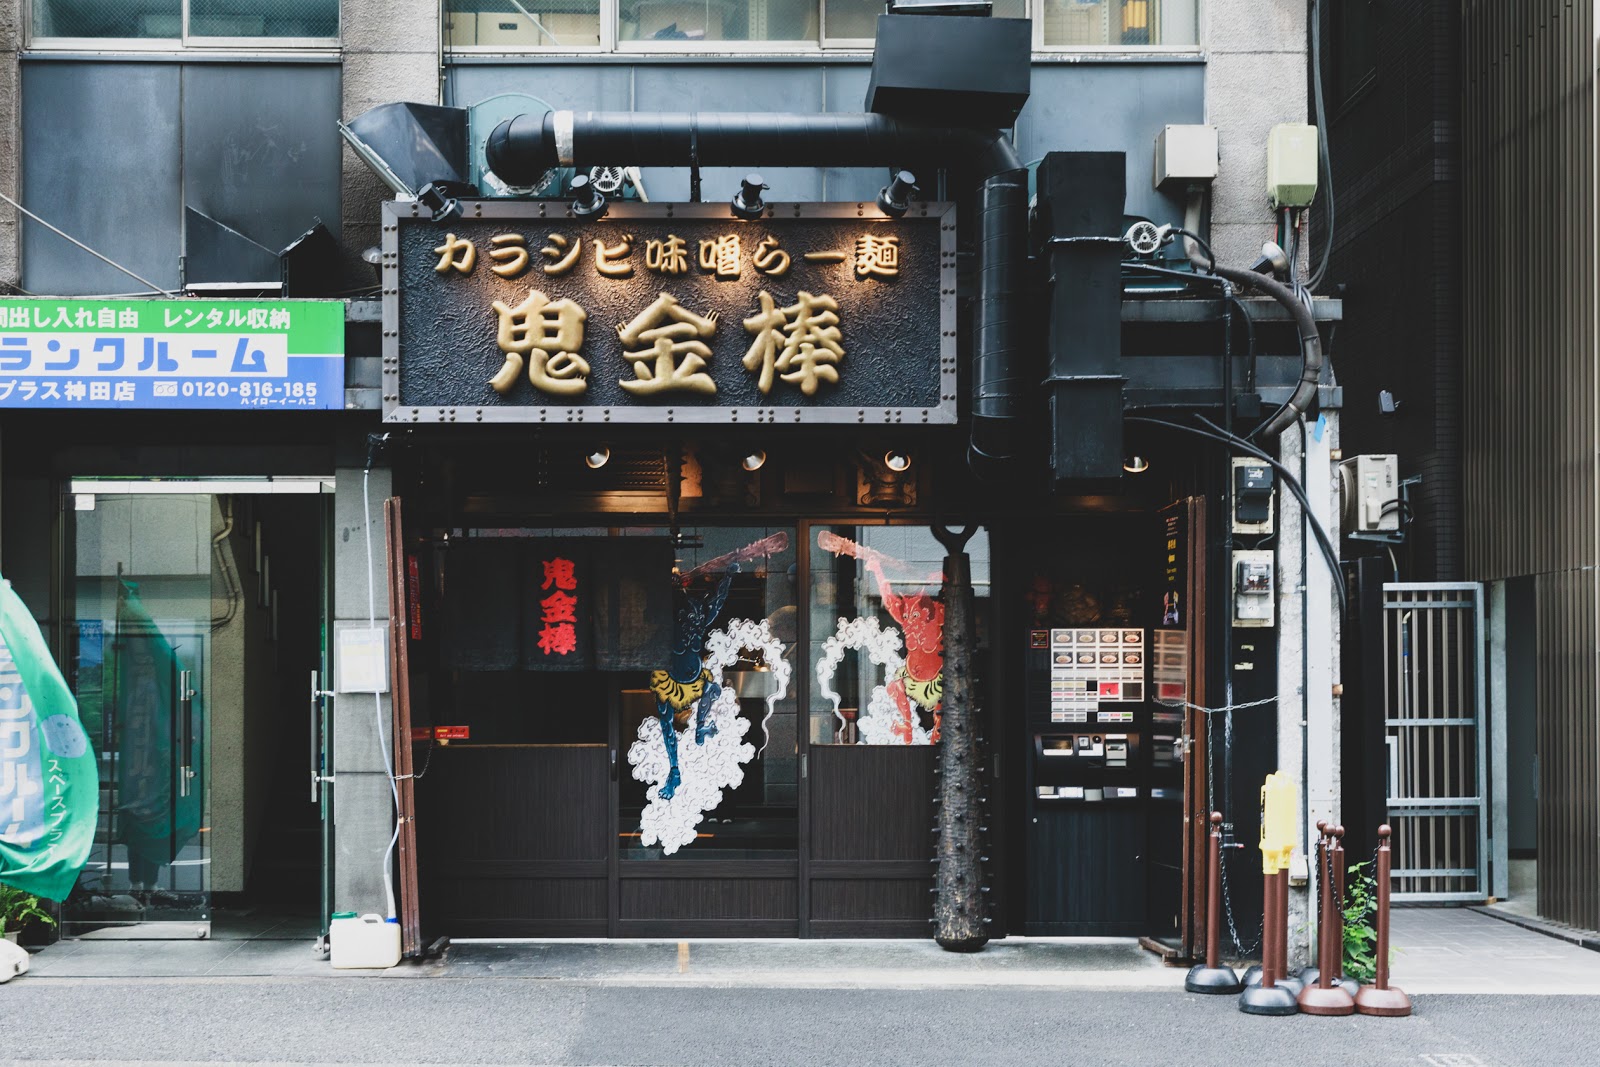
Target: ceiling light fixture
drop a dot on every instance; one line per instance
(897, 461)
(598, 457)
(755, 460)
(1135, 464)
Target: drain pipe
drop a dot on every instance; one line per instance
(521, 150)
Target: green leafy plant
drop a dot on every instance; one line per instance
(18, 908)
(1360, 923)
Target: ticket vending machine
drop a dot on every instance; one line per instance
(1105, 756)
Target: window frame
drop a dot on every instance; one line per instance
(184, 42)
(823, 45)
(1097, 51)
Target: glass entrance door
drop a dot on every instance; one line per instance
(143, 613)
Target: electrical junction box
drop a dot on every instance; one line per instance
(1253, 508)
(1255, 587)
(1292, 165)
(1185, 155)
(1370, 486)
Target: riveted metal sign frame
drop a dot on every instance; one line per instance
(942, 411)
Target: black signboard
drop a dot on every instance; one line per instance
(518, 311)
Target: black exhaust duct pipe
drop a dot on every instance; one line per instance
(523, 149)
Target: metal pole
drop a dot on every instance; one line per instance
(1327, 997)
(1379, 998)
(1211, 976)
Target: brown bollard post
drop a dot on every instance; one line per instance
(1212, 977)
(1326, 997)
(1380, 998)
(1311, 975)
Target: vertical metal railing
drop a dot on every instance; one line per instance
(1434, 692)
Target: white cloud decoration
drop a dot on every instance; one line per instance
(875, 726)
(715, 764)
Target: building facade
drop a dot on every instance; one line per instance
(672, 671)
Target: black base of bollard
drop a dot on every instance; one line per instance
(1293, 983)
(1203, 979)
(1275, 1000)
(1391, 1003)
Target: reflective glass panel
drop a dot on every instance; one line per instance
(708, 739)
(527, 24)
(877, 632)
(1119, 23)
(264, 18)
(858, 19)
(137, 19)
(717, 20)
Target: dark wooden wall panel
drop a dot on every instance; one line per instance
(872, 900)
(516, 839)
(871, 802)
(1083, 878)
(661, 899)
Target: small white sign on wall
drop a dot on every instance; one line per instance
(362, 660)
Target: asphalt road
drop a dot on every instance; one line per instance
(296, 1020)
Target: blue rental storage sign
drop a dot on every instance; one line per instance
(171, 354)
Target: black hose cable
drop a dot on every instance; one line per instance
(1322, 142)
(1311, 361)
(1211, 257)
(1329, 556)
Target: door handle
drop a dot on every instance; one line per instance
(317, 778)
(185, 732)
(613, 764)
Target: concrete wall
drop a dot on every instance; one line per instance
(391, 52)
(10, 134)
(363, 804)
(1255, 79)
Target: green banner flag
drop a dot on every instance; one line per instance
(49, 789)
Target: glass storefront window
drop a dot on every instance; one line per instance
(155, 20)
(877, 632)
(709, 747)
(857, 20)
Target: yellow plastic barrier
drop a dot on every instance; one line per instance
(1279, 809)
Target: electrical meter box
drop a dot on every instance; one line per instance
(1370, 486)
(1253, 481)
(1255, 588)
(1185, 155)
(1292, 164)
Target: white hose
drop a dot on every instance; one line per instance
(377, 699)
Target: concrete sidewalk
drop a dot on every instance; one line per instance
(1438, 950)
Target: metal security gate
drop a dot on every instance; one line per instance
(1435, 731)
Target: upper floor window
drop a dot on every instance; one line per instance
(789, 25)
(168, 23)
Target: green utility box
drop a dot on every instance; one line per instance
(1292, 165)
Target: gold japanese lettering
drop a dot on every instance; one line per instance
(510, 254)
(801, 342)
(721, 254)
(877, 256)
(610, 261)
(549, 333)
(667, 257)
(671, 350)
(457, 253)
(562, 258)
(769, 259)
